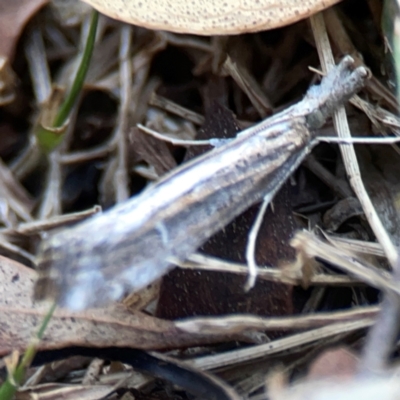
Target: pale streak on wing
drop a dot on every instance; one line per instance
(130, 245)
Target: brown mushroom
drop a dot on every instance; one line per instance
(210, 17)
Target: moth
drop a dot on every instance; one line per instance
(129, 246)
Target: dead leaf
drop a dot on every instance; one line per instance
(210, 17)
(20, 318)
(13, 17)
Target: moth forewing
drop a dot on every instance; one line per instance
(130, 246)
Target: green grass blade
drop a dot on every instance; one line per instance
(48, 139)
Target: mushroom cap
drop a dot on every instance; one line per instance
(210, 17)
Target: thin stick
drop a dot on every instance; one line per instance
(382, 336)
(251, 244)
(174, 141)
(348, 153)
(277, 346)
(121, 185)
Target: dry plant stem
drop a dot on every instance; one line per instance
(197, 43)
(86, 155)
(251, 243)
(14, 198)
(34, 227)
(382, 336)
(313, 165)
(327, 177)
(148, 173)
(273, 274)
(36, 377)
(174, 108)
(174, 141)
(314, 300)
(301, 362)
(38, 67)
(359, 140)
(13, 249)
(140, 69)
(7, 82)
(67, 391)
(343, 42)
(241, 323)
(137, 380)
(51, 204)
(125, 73)
(355, 246)
(348, 153)
(249, 85)
(381, 339)
(378, 115)
(92, 372)
(277, 346)
(27, 160)
(309, 246)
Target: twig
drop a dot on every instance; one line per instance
(382, 335)
(348, 153)
(33, 227)
(309, 247)
(38, 66)
(241, 323)
(273, 274)
(121, 182)
(168, 105)
(279, 345)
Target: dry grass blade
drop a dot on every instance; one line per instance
(277, 346)
(30, 228)
(51, 391)
(348, 153)
(206, 263)
(308, 246)
(241, 323)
